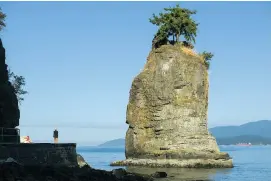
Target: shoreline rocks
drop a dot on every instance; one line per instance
(175, 163)
(81, 161)
(167, 114)
(11, 171)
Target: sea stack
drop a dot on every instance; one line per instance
(167, 114)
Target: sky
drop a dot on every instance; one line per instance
(79, 60)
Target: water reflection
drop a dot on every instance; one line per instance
(175, 174)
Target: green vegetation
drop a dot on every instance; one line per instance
(207, 56)
(175, 23)
(2, 19)
(18, 82)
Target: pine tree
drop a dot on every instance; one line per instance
(175, 22)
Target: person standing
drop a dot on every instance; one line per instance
(55, 136)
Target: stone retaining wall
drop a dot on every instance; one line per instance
(40, 153)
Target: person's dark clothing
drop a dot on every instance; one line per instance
(55, 134)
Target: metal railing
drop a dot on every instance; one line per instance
(9, 135)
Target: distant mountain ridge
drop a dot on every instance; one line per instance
(258, 132)
(259, 128)
(253, 139)
(114, 143)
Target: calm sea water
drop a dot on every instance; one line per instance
(250, 164)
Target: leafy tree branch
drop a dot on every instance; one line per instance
(18, 83)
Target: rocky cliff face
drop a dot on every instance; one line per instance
(9, 109)
(167, 109)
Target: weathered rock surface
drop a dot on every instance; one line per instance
(81, 161)
(159, 175)
(167, 114)
(9, 113)
(11, 171)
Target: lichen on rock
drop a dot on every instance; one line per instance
(167, 113)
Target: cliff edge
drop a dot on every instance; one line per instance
(167, 114)
(9, 107)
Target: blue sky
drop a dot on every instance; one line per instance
(79, 59)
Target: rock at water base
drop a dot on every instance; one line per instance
(167, 114)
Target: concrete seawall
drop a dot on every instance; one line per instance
(40, 153)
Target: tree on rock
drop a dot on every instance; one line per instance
(161, 37)
(175, 22)
(2, 19)
(207, 56)
(18, 82)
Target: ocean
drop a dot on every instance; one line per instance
(252, 163)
